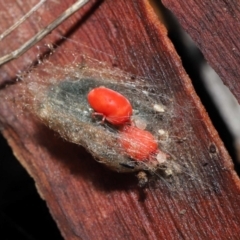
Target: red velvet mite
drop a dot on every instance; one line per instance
(113, 106)
(137, 143)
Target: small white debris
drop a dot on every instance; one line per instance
(168, 172)
(161, 157)
(161, 132)
(158, 108)
(163, 135)
(139, 122)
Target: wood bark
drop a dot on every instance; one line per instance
(214, 27)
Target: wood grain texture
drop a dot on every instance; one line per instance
(89, 201)
(214, 26)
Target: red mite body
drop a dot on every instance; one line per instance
(113, 106)
(137, 143)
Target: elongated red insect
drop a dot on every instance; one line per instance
(113, 106)
(137, 143)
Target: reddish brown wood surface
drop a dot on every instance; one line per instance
(214, 26)
(87, 200)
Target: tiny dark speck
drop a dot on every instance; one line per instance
(131, 166)
(212, 148)
(205, 164)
